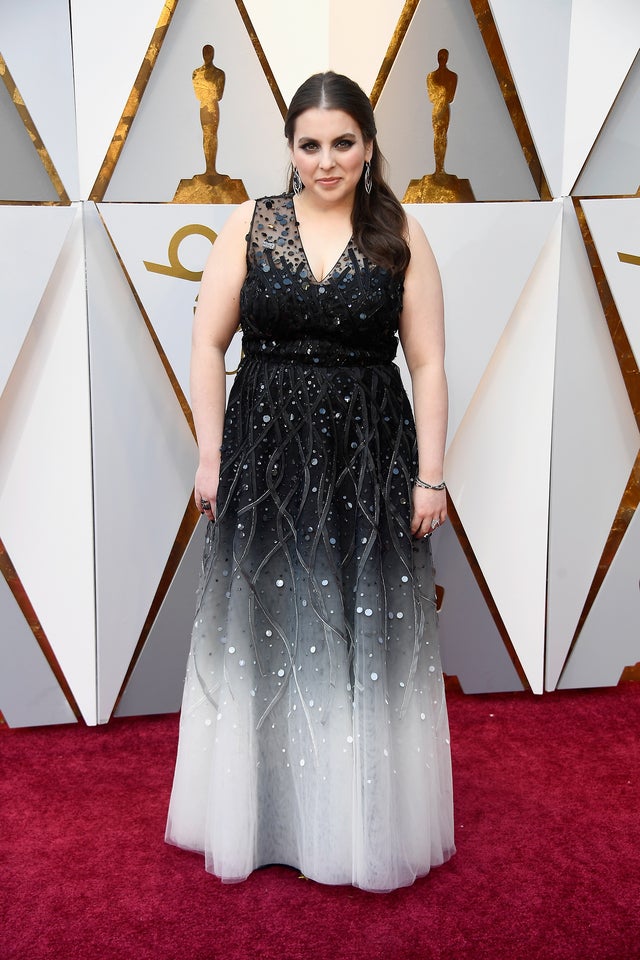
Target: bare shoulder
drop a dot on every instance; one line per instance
(422, 256)
(416, 236)
(231, 241)
(240, 220)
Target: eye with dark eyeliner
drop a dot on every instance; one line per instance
(342, 144)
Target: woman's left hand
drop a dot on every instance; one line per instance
(429, 511)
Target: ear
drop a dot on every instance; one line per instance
(368, 150)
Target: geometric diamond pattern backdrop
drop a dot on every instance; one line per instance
(99, 543)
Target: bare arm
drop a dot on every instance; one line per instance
(215, 322)
(422, 338)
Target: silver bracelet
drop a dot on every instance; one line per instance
(429, 486)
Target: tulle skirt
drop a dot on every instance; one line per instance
(314, 728)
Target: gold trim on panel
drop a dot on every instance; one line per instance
(128, 115)
(624, 353)
(180, 544)
(631, 672)
(8, 571)
(182, 400)
(399, 34)
(264, 63)
(498, 57)
(31, 129)
(486, 593)
(631, 376)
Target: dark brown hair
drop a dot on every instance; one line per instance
(378, 219)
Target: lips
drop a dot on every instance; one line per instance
(329, 181)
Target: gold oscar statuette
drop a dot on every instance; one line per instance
(440, 186)
(210, 186)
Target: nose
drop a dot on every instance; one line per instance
(326, 159)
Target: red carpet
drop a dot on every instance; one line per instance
(548, 864)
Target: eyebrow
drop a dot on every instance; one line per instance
(343, 136)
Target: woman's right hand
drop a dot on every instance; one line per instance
(206, 488)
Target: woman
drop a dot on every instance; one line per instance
(314, 727)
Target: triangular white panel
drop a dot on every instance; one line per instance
(498, 463)
(164, 144)
(29, 693)
(155, 686)
(320, 36)
(613, 166)
(38, 51)
(109, 46)
(36, 236)
(374, 25)
(471, 646)
(142, 234)
(294, 37)
(595, 441)
(22, 174)
(144, 459)
(482, 145)
(46, 507)
(605, 38)
(541, 81)
(485, 253)
(610, 638)
(615, 228)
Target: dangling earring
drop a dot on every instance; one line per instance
(298, 185)
(367, 176)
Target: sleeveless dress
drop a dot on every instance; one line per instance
(314, 728)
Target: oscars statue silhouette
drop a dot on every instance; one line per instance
(440, 187)
(210, 186)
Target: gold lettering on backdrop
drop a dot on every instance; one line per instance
(629, 258)
(210, 186)
(440, 186)
(175, 267)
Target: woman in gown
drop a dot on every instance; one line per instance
(314, 728)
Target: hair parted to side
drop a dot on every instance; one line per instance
(378, 218)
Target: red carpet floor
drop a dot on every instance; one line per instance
(548, 862)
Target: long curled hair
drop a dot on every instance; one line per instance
(378, 220)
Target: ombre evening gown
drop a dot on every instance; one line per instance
(314, 727)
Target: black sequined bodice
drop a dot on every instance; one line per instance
(349, 318)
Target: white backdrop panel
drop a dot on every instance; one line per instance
(165, 142)
(610, 639)
(498, 463)
(605, 38)
(373, 23)
(156, 684)
(142, 233)
(294, 37)
(22, 175)
(38, 51)
(483, 274)
(34, 238)
(595, 441)
(144, 462)
(526, 29)
(45, 470)
(613, 166)
(109, 45)
(471, 646)
(29, 693)
(482, 144)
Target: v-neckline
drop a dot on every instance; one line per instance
(312, 275)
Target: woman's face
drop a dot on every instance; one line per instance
(329, 151)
